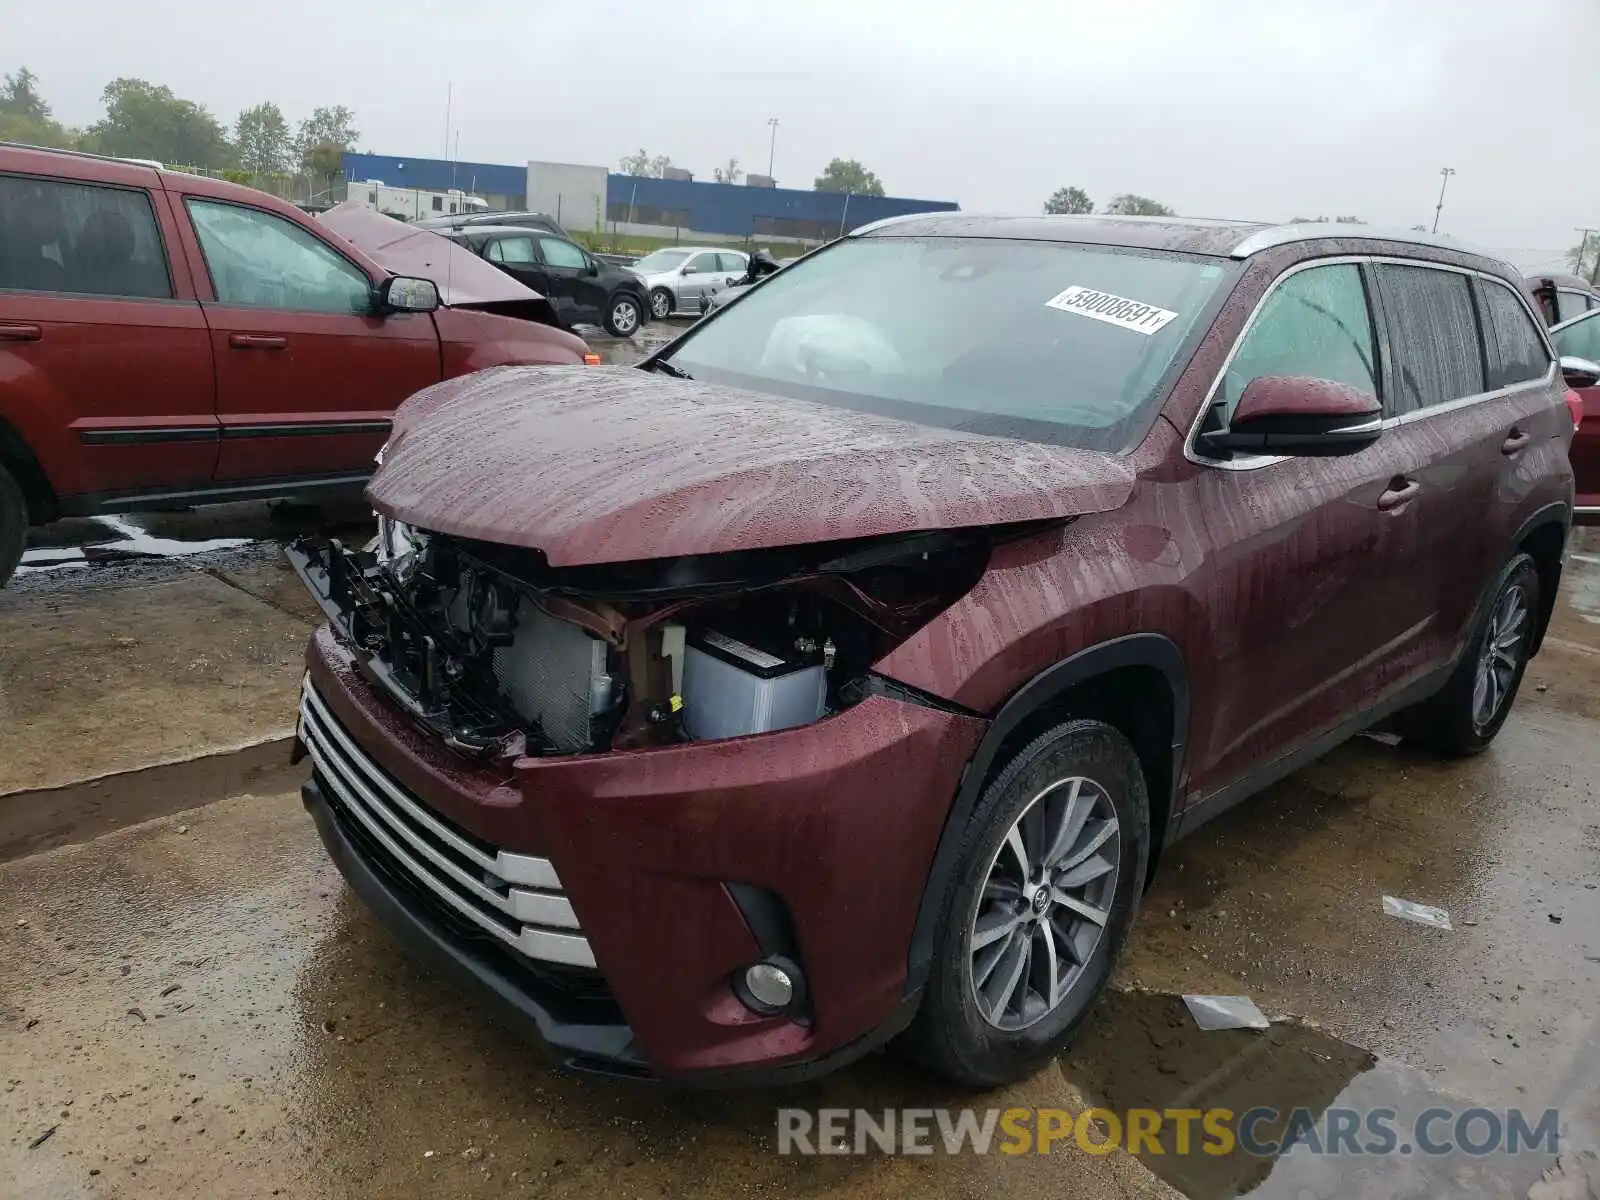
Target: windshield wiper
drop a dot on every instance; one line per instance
(666, 368)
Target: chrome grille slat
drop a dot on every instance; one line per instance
(519, 903)
(525, 869)
(539, 924)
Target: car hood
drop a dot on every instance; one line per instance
(463, 279)
(615, 464)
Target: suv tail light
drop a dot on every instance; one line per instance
(1575, 407)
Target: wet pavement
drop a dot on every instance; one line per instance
(196, 1006)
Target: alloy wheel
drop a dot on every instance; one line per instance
(660, 306)
(1045, 903)
(1500, 655)
(624, 317)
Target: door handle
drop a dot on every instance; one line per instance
(1515, 441)
(1393, 497)
(20, 333)
(258, 341)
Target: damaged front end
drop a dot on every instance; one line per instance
(501, 655)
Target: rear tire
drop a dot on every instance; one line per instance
(624, 315)
(1464, 716)
(1039, 910)
(13, 524)
(660, 304)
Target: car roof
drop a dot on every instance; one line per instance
(699, 250)
(1220, 238)
(1570, 283)
(525, 230)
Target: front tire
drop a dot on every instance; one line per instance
(1464, 716)
(660, 304)
(623, 314)
(1046, 889)
(13, 524)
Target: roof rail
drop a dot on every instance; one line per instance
(1307, 231)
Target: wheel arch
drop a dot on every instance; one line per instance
(1138, 683)
(1543, 536)
(17, 457)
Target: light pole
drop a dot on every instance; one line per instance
(772, 149)
(1444, 179)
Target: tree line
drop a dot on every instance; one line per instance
(146, 120)
(840, 175)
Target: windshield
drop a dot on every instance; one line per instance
(661, 260)
(1052, 342)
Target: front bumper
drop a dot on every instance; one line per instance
(837, 822)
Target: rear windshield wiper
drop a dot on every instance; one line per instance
(666, 368)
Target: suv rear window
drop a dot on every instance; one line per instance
(1053, 342)
(1438, 354)
(1518, 353)
(77, 237)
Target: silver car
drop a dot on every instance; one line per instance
(679, 277)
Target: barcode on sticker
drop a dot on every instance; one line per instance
(1113, 310)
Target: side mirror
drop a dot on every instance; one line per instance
(688, 269)
(401, 293)
(594, 266)
(1300, 416)
(1579, 372)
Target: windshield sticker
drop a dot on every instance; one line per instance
(1113, 310)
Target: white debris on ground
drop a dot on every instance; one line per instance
(1226, 1012)
(1574, 1177)
(1422, 914)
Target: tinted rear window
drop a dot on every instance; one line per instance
(1519, 352)
(1438, 356)
(76, 237)
(1052, 342)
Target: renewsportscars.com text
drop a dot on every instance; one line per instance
(1264, 1132)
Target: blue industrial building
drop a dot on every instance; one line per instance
(639, 204)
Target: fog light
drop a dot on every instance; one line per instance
(769, 985)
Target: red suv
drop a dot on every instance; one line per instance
(841, 674)
(171, 339)
(1577, 340)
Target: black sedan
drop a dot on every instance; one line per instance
(583, 289)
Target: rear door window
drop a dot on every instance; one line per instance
(1517, 353)
(732, 262)
(80, 238)
(513, 250)
(1580, 339)
(1437, 350)
(1315, 323)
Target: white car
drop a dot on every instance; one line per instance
(678, 278)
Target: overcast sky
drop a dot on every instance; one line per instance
(1249, 108)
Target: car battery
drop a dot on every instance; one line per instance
(733, 687)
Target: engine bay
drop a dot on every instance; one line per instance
(502, 655)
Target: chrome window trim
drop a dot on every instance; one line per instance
(1255, 462)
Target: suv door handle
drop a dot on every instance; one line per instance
(1515, 441)
(1394, 496)
(20, 333)
(258, 341)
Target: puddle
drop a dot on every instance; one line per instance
(80, 542)
(41, 819)
(622, 352)
(1582, 585)
(1144, 1051)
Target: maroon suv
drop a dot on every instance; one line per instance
(840, 674)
